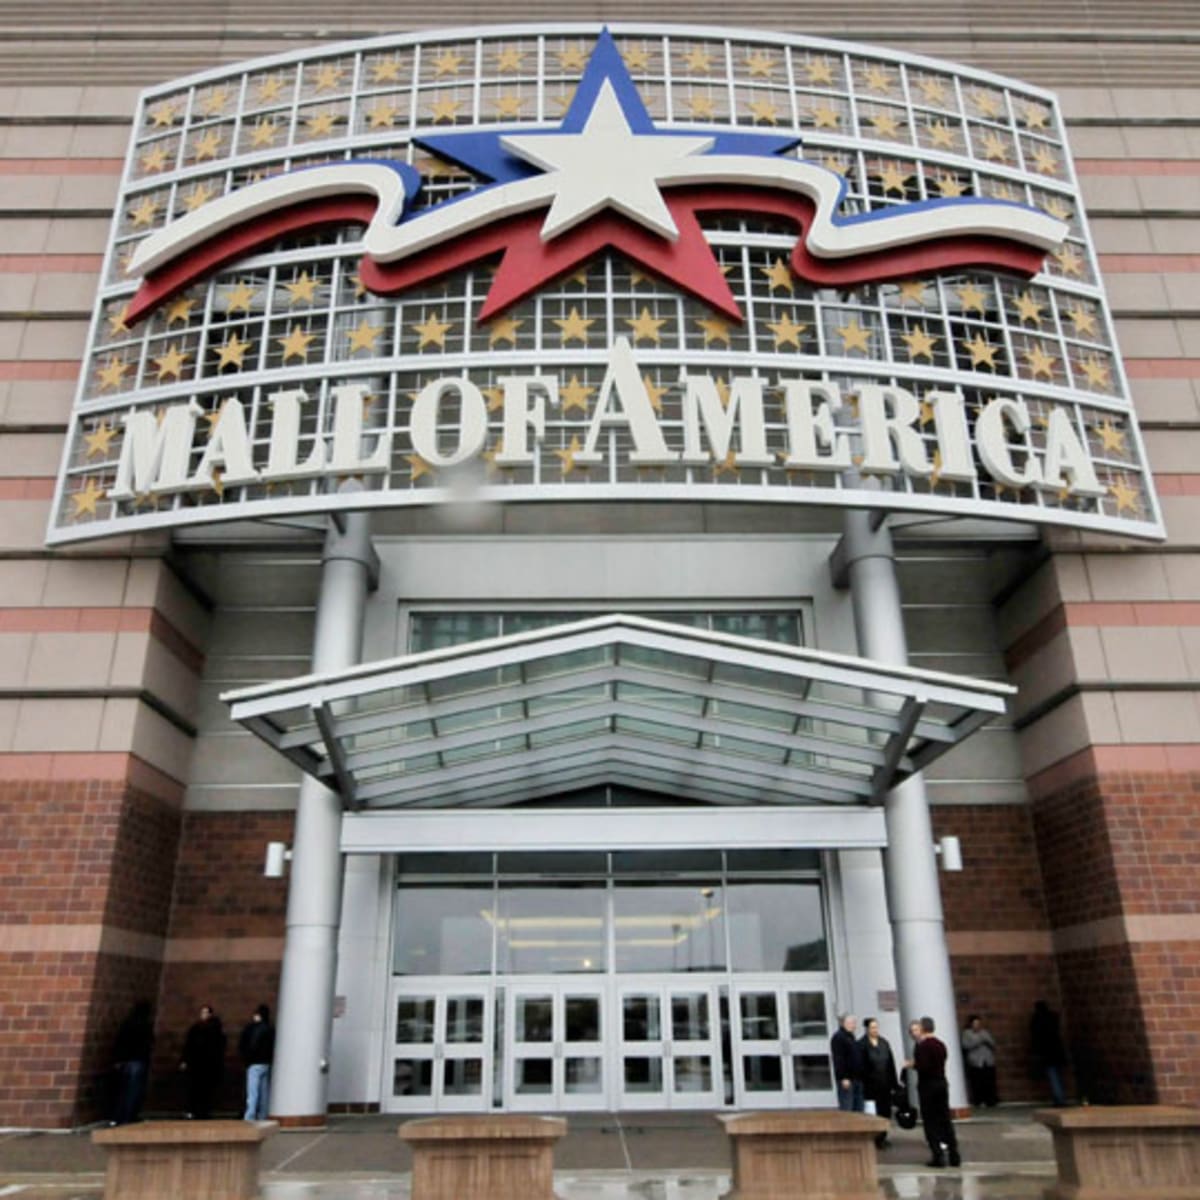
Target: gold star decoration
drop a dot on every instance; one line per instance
(509, 58)
(363, 337)
(85, 501)
(1034, 116)
(1083, 319)
(296, 343)
(987, 103)
(231, 353)
(971, 299)
(302, 290)
(171, 364)
(982, 352)
(321, 124)
(240, 297)
(698, 59)
(950, 187)
(385, 70)
(825, 116)
(180, 310)
(854, 337)
(329, 77)
(445, 108)
(263, 133)
(111, 375)
(207, 145)
(786, 332)
(572, 58)
(360, 288)
(839, 166)
(573, 327)
(764, 111)
(270, 88)
(714, 330)
(1098, 375)
(1111, 438)
(564, 101)
(99, 440)
(494, 397)
(116, 320)
(432, 331)
(994, 148)
(820, 70)
(418, 467)
(1044, 162)
(1000, 190)
(877, 78)
(932, 89)
(646, 326)
(575, 395)
(927, 416)
(1041, 364)
(449, 62)
(885, 125)
(940, 135)
(654, 393)
(380, 116)
(759, 65)
(1125, 496)
(912, 290)
(507, 106)
(780, 276)
(504, 329)
(893, 178)
(144, 212)
(1069, 260)
(198, 197)
(1028, 309)
(567, 456)
(920, 343)
(702, 107)
(637, 58)
(164, 115)
(727, 465)
(155, 159)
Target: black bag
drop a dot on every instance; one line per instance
(902, 1109)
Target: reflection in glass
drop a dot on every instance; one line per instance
(689, 1017)
(643, 1075)
(544, 929)
(462, 1076)
(693, 1073)
(806, 1014)
(762, 1073)
(669, 927)
(583, 1075)
(812, 1073)
(640, 1019)
(777, 925)
(760, 1019)
(412, 1077)
(535, 1076)
(442, 929)
(414, 1020)
(535, 1019)
(583, 1018)
(464, 1019)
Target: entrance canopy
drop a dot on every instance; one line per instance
(618, 700)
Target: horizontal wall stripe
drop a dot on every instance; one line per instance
(1162, 368)
(39, 369)
(224, 949)
(1167, 264)
(1128, 929)
(54, 264)
(35, 488)
(61, 166)
(79, 939)
(989, 943)
(1136, 166)
(109, 766)
(1094, 761)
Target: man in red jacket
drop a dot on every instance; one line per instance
(929, 1058)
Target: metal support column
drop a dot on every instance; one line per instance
(865, 561)
(300, 1074)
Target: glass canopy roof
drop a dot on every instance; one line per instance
(618, 700)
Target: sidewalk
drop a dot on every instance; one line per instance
(605, 1156)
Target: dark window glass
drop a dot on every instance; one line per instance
(777, 925)
(443, 929)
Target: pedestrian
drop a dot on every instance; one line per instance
(1049, 1053)
(979, 1054)
(131, 1061)
(929, 1059)
(847, 1064)
(879, 1074)
(910, 1075)
(203, 1063)
(257, 1047)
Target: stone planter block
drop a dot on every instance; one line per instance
(186, 1160)
(818, 1155)
(1128, 1152)
(502, 1157)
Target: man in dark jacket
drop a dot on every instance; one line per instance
(257, 1047)
(929, 1058)
(203, 1063)
(1049, 1053)
(847, 1065)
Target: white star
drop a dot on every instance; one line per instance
(607, 165)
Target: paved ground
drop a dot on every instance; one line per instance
(650, 1156)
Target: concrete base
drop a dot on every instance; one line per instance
(503, 1157)
(186, 1160)
(818, 1155)
(1129, 1152)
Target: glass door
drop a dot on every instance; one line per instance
(668, 1046)
(440, 1050)
(781, 1045)
(554, 1047)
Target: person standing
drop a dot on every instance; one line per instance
(1049, 1053)
(929, 1058)
(203, 1063)
(847, 1064)
(256, 1047)
(131, 1059)
(879, 1073)
(979, 1051)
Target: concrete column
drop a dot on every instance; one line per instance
(300, 1074)
(910, 864)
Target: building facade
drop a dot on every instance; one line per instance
(669, 906)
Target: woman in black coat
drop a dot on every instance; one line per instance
(879, 1073)
(203, 1062)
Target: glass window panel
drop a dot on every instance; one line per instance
(435, 631)
(669, 927)
(414, 1021)
(464, 1019)
(547, 928)
(443, 929)
(665, 862)
(656, 730)
(664, 660)
(535, 1076)
(772, 859)
(643, 1075)
(522, 622)
(762, 1073)
(412, 1077)
(760, 1018)
(640, 1019)
(693, 1073)
(766, 626)
(443, 864)
(812, 1073)
(689, 1017)
(806, 1014)
(584, 1075)
(582, 1018)
(535, 1019)
(462, 1076)
(777, 925)
(552, 862)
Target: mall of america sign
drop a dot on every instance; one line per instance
(567, 263)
